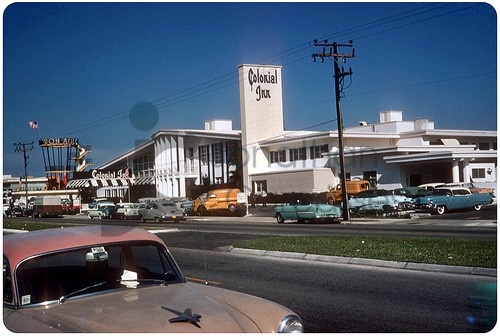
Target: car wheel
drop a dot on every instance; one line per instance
(100, 216)
(478, 207)
(158, 220)
(441, 209)
(331, 201)
(202, 211)
(142, 219)
(89, 216)
(231, 208)
(279, 218)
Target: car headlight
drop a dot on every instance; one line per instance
(290, 324)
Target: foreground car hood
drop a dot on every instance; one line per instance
(140, 310)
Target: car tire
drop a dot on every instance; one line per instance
(202, 211)
(232, 209)
(142, 219)
(440, 209)
(100, 216)
(158, 220)
(89, 216)
(478, 207)
(279, 218)
(331, 201)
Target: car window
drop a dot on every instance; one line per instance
(49, 277)
(363, 194)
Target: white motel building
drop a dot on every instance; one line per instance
(392, 153)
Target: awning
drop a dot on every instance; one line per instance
(144, 181)
(99, 183)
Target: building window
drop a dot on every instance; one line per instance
(217, 152)
(478, 173)
(143, 165)
(204, 154)
(278, 156)
(484, 146)
(372, 177)
(316, 151)
(260, 186)
(297, 154)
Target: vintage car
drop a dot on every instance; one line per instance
(472, 187)
(307, 212)
(160, 211)
(126, 211)
(451, 198)
(378, 200)
(107, 279)
(103, 210)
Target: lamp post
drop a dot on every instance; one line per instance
(25, 147)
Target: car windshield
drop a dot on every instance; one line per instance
(95, 268)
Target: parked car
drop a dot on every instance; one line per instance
(17, 211)
(378, 200)
(473, 188)
(334, 195)
(126, 211)
(226, 201)
(161, 211)
(307, 212)
(451, 198)
(103, 210)
(106, 279)
(183, 203)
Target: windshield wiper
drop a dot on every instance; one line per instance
(63, 298)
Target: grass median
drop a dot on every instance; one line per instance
(442, 251)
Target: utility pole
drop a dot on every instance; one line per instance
(25, 147)
(330, 50)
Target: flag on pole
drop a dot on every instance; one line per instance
(33, 124)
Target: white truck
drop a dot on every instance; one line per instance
(47, 206)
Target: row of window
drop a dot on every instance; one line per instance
(297, 154)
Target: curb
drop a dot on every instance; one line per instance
(464, 270)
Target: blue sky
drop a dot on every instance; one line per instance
(81, 69)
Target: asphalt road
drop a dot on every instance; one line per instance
(339, 298)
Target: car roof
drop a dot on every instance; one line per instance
(452, 188)
(20, 246)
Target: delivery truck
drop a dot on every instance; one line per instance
(47, 206)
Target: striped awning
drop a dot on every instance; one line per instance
(144, 181)
(99, 183)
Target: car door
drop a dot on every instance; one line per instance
(290, 210)
(461, 200)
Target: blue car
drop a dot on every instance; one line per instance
(305, 212)
(451, 198)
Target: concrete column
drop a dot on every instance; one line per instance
(455, 170)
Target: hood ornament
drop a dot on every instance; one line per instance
(186, 316)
